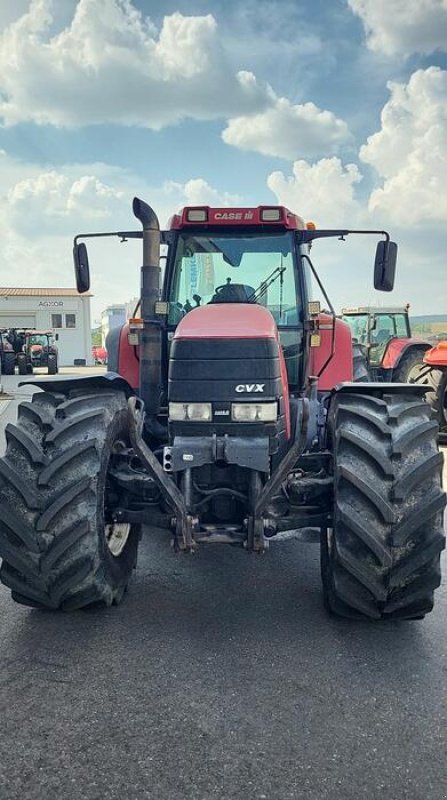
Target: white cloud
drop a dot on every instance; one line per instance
(110, 64)
(322, 192)
(197, 192)
(288, 131)
(410, 151)
(402, 27)
(41, 211)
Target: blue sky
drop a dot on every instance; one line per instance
(337, 109)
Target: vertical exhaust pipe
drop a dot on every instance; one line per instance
(150, 348)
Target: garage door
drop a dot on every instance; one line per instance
(17, 321)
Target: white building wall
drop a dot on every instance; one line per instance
(50, 313)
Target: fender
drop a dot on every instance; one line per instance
(331, 371)
(397, 348)
(437, 356)
(385, 388)
(62, 383)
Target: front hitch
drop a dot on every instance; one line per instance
(170, 492)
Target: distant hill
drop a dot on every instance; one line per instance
(428, 319)
(432, 326)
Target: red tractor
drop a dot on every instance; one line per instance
(228, 415)
(384, 335)
(433, 375)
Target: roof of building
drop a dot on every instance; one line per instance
(12, 291)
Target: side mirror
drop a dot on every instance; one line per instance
(82, 269)
(385, 266)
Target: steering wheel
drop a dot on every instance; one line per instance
(232, 293)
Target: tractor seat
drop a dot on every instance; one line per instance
(382, 336)
(233, 293)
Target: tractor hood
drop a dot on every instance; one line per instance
(228, 321)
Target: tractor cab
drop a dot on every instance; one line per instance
(385, 334)
(236, 258)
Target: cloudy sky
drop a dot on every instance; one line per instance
(335, 108)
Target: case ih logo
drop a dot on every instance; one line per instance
(234, 215)
(250, 387)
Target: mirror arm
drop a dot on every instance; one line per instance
(308, 236)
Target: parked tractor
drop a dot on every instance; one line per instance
(7, 355)
(40, 351)
(384, 336)
(228, 415)
(433, 375)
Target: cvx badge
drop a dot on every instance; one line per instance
(250, 387)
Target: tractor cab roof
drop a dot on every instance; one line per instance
(375, 310)
(260, 216)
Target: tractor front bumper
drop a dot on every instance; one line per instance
(194, 451)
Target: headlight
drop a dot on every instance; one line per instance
(190, 412)
(254, 412)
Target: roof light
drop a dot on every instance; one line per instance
(270, 214)
(197, 215)
(310, 226)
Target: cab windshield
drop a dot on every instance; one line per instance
(221, 268)
(37, 338)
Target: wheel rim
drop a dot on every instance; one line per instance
(117, 534)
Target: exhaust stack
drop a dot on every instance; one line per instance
(150, 349)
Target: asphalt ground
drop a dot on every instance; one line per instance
(220, 676)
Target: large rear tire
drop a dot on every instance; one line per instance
(436, 380)
(381, 559)
(409, 367)
(9, 363)
(58, 544)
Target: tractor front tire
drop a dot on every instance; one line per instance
(360, 372)
(52, 364)
(59, 545)
(409, 367)
(436, 397)
(381, 558)
(21, 364)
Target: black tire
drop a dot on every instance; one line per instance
(409, 367)
(21, 364)
(359, 363)
(53, 501)
(381, 559)
(9, 363)
(52, 364)
(436, 380)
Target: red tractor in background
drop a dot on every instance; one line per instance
(433, 375)
(228, 415)
(384, 336)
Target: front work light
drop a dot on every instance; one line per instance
(190, 412)
(197, 215)
(270, 214)
(254, 412)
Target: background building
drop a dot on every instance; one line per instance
(64, 311)
(111, 317)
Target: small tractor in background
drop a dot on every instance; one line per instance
(40, 351)
(27, 349)
(229, 415)
(383, 336)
